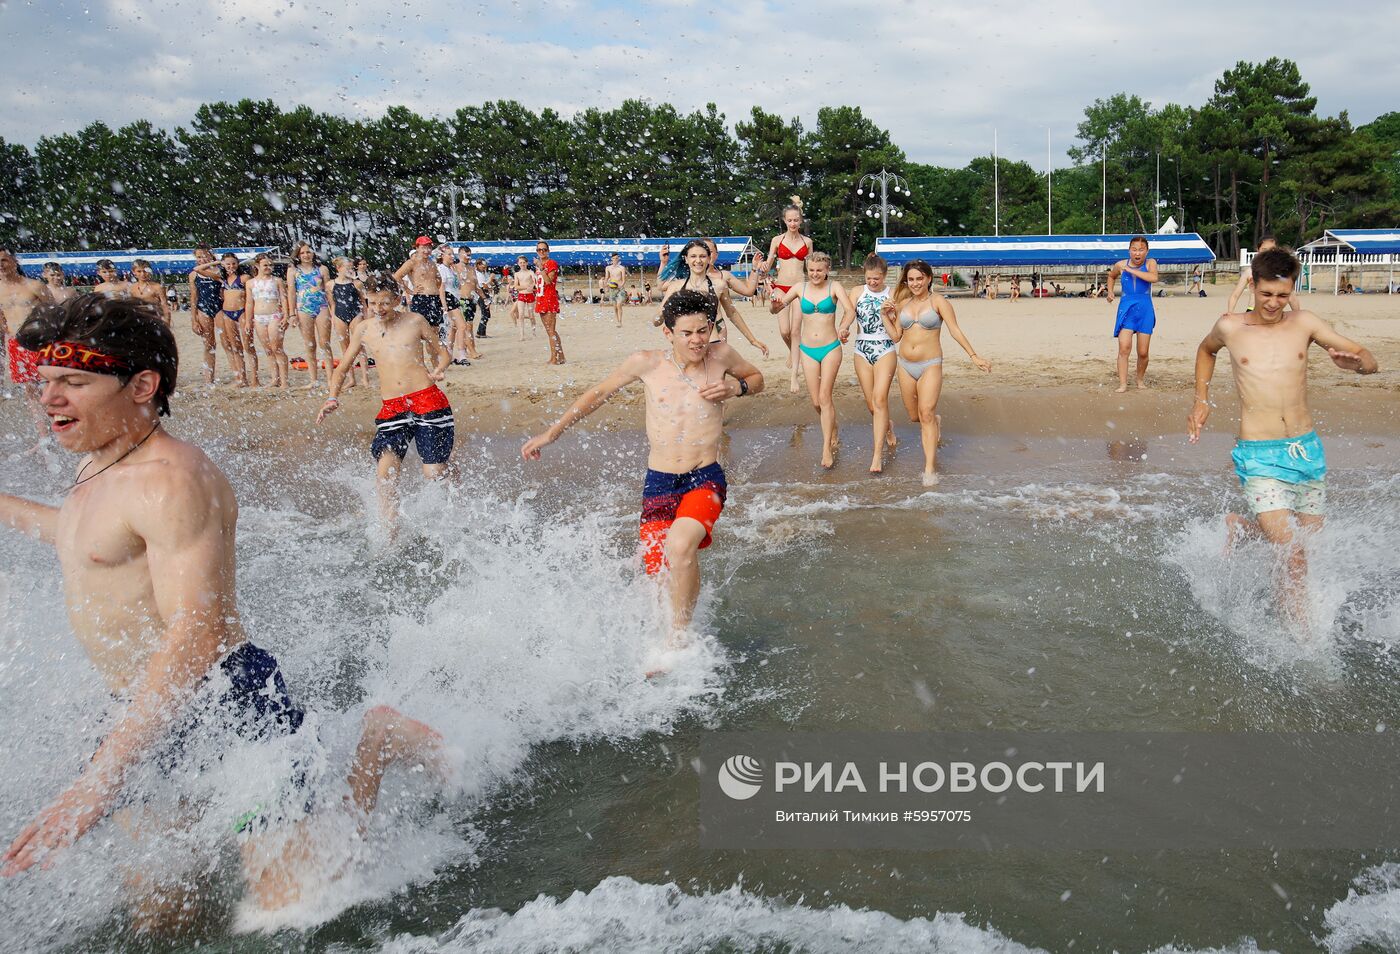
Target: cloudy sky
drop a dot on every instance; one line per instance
(940, 76)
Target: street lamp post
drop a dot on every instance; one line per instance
(452, 190)
(885, 180)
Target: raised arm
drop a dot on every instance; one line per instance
(1147, 273)
(1205, 369)
(28, 517)
(1345, 353)
(630, 370)
(749, 287)
(189, 551)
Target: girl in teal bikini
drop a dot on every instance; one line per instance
(820, 340)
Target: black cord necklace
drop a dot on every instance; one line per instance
(82, 480)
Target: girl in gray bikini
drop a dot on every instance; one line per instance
(914, 316)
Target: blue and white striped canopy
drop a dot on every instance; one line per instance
(166, 261)
(1186, 248)
(578, 252)
(1369, 241)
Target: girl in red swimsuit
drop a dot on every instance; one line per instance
(788, 252)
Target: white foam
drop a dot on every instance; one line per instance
(1369, 916)
(622, 916)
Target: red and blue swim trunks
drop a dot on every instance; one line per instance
(698, 494)
(423, 417)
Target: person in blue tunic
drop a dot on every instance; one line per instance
(1135, 314)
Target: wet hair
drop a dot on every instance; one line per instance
(296, 252)
(140, 263)
(1275, 264)
(341, 258)
(106, 263)
(819, 257)
(541, 242)
(53, 267)
(125, 328)
(1268, 237)
(682, 303)
(203, 247)
(382, 282)
(1136, 239)
(228, 255)
(874, 262)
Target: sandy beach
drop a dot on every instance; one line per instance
(1052, 373)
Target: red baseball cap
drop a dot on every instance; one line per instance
(423, 240)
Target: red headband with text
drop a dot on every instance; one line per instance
(81, 357)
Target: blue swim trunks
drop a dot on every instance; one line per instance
(1135, 313)
(1288, 474)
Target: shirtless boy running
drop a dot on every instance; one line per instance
(146, 542)
(686, 386)
(1278, 457)
(415, 409)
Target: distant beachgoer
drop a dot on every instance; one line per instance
(1197, 285)
(914, 317)
(146, 539)
(821, 340)
(308, 283)
(976, 284)
(57, 283)
(268, 311)
(206, 301)
(614, 276)
(524, 304)
(993, 287)
(110, 283)
(578, 298)
(235, 324)
(685, 488)
(875, 356)
(483, 282)
(420, 275)
(348, 307)
(1136, 316)
(144, 287)
(462, 341)
(414, 410)
(1278, 457)
(789, 251)
(19, 296)
(547, 299)
(1015, 287)
(1246, 283)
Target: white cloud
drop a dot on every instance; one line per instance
(939, 76)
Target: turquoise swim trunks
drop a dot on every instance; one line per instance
(1288, 474)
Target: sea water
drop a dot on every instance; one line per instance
(1043, 585)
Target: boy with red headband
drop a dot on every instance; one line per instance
(146, 537)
